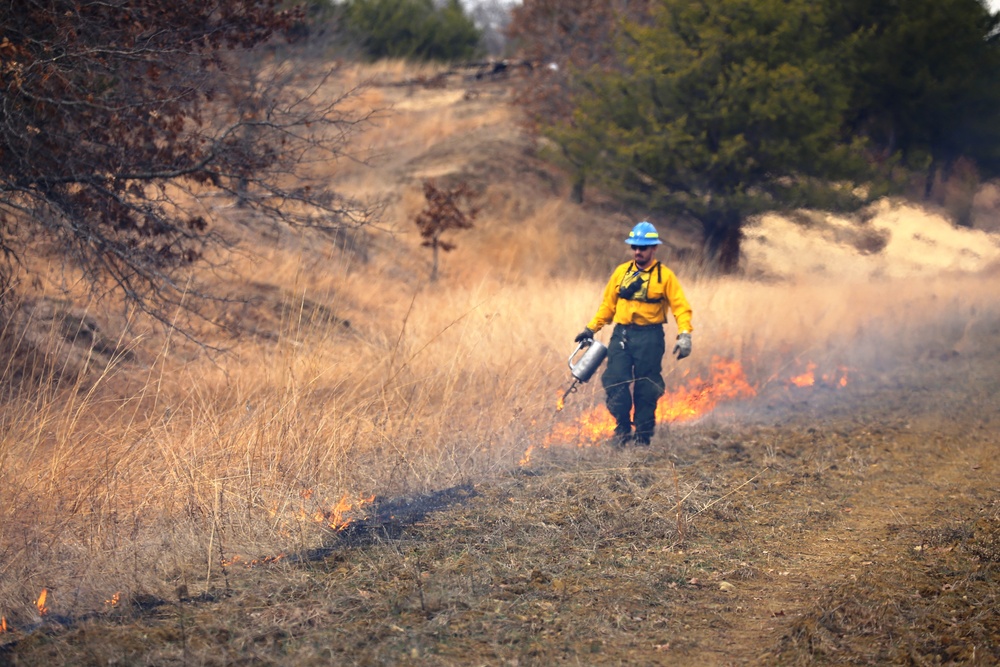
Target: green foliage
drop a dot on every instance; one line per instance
(724, 109)
(414, 29)
(926, 79)
(721, 109)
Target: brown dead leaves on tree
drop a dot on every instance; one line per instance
(446, 210)
(128, 125)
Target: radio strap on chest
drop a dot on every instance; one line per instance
(659, 280)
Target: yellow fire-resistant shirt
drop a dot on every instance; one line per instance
(659, 291)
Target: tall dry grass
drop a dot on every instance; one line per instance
(139, 493)
(145, 475)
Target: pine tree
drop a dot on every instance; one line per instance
(724, 109)
(415, 29)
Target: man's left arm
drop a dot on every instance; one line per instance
(679, 305)
(681, 309)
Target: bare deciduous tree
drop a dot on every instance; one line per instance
(565, 39)
(492, 18)
(119, 118)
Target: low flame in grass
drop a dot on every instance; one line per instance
(336, 517)
(726, 382)
(114, 600)
(560, 403)
(526, 459)
(3, 624)
(40, 602)
(807, 379)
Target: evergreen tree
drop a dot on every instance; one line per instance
(927, 80)
(724, 109)
(415, 29)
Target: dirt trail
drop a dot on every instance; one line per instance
(921, 458)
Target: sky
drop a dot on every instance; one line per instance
(994, 5)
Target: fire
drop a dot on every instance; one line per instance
(726, 382)
(3, 624)
(807, 379)
(335, 516)
(40, 602)
(114, 600)
(526, 459)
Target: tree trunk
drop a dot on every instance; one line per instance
(576, 193)
(723, 236)
(929, 181)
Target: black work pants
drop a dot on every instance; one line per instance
(635, 356)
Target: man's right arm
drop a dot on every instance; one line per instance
(609, 301)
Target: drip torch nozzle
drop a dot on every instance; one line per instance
(562, 401)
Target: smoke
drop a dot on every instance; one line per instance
(850, 299)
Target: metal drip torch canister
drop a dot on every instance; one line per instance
(586, 365)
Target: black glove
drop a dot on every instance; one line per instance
(586, 334)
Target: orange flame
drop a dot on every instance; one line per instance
(807, 379)
(727, 382)
(526, 459)
(115, 599)
(40, 602)
(335, 516)
(833, 380)
(3, 624)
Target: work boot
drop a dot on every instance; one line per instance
(621, 438)
(641, 440)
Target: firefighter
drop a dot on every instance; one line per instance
(636, 300)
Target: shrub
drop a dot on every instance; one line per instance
(413, 29)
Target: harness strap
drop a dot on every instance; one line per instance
(659, 279)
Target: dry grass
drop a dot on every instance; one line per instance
(146, 470)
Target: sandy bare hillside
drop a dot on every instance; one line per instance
(894, 240)
(463, 128)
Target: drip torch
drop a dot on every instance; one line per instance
(585, 366)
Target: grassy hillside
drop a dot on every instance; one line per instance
(228, 506)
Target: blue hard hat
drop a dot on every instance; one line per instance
(643, 234)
